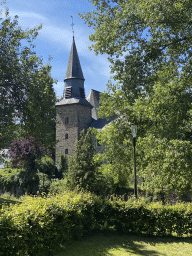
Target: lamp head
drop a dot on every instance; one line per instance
(134, 130)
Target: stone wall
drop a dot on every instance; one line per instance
(70, 121)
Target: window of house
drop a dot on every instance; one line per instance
(66, 151)
(66, 136)
(66, 120)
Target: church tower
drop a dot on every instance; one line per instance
(73, 112)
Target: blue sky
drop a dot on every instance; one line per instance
(55, 38)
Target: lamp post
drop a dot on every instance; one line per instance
(134, 133)
(43, 173)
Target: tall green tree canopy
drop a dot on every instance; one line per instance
(143, 37)
(27, 97)
(149, 46)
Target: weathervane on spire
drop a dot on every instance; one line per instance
(72, 25)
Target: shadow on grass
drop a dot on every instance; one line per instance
(109, 244)
(7, 202)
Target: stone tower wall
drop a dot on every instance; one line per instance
(79, 118)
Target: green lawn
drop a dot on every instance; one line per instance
(133, 245)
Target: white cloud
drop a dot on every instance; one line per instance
(31, 15)
(62, 36)
(28, 19)
(57, 35)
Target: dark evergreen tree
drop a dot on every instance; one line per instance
(82, 168)
(62, 166)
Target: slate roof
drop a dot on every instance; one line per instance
(94, 97)
(99, 123)
(69, 101)
(74, 67)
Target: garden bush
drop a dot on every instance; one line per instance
(46, 165)
(58, 186)
(10, 179)
(41, 224)
(17, 182)
(150, 218)
(44, 182)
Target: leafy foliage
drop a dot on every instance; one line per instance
(24, 152)
(82, 168)
(62, 166)
(26, 87)
(18, 181)
(149, 47)
(165, 165)
(10, 178)
(117, 157)
(46, 165)
(58, 186)
(39, 225)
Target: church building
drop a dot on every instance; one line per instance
(75, 112)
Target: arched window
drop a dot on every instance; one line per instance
(66, 120)
(66, 136)
(66, 151)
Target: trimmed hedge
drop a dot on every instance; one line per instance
(151, 218)
(40, 225)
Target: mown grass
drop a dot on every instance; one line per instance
(111, 244)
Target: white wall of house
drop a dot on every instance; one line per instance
(4, 156)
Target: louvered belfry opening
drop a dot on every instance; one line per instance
(68, 92)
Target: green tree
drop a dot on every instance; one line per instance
(26, 87)
(117, 156)
(24, 153)
(148, 42)
(165, 165)
(62, 166)
(46, 166)
(149, 46)
(82, 168)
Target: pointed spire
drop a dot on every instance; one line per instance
(74, 67)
